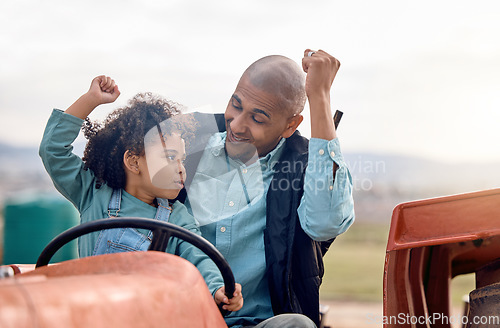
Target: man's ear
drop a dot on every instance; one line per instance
(131, 162)
(292, 125)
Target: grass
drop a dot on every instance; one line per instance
(461, 286)
(354, 267)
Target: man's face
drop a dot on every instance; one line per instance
(255, 122)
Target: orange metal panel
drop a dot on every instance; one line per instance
(430, 242)
(445, 220)
(397, 291)
(138, 289)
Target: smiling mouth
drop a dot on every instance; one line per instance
(234, 139)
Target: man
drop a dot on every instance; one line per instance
(272, 218)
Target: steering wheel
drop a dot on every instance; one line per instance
(162, 231)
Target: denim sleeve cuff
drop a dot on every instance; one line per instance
(326, 208)
(323, 150)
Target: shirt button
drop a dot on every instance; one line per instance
(331, 187)
(222, 229)
(321, 151)
(332, 153)
(244, 170)
(231, 203)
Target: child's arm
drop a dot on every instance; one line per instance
(65, 168)
(233, 304)
(203, 263)
(102, 90)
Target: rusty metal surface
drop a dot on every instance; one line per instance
(430, 242)
(445, 220)
(138, 289)
(485, 304)
(488, 274)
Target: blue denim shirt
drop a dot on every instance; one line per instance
(234, 223)
(127, 239)
(67, 172)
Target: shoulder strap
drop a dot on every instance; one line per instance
(162, 213)
(114, 203)
(164, 210)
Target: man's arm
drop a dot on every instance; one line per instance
(321, 69)
(326, 208)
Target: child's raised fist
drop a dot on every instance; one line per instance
(104, 90)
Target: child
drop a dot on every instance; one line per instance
(118, 175)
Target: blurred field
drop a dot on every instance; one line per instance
(354, 265)
(354, 268)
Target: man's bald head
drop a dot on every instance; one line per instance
(282, 77)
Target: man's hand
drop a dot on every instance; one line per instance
(103, 90)
(321, 69)
(233, 304)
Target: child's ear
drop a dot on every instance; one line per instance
(131, 162)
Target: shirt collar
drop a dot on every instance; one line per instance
(218, 140)
(216, 144)
(272, 158)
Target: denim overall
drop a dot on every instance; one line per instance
(127, 239)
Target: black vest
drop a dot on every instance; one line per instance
(294, 261)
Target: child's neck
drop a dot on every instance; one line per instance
(142, 196)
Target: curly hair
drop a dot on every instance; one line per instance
(124, 129)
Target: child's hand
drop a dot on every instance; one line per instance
(233, 304)
(103, 90)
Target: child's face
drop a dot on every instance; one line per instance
(164, 162)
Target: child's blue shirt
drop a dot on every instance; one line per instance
(66, 170)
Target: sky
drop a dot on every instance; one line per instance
(418, 78)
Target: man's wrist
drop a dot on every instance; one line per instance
(319, 98)
(321, 118)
